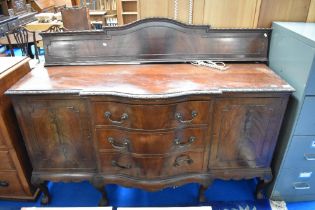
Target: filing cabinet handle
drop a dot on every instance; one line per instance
(125, 143)
(182, 159)
(116, 164)
(303, 186)
(189, 142)
(123, 117)
(309, 156)
(179, 117)
(4, 184)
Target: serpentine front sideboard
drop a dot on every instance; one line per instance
(153, 125)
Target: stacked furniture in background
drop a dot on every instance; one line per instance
(20, 9)
(15, 168)
(48, 5)
(6, 23)
(292, 55)
(76, 19)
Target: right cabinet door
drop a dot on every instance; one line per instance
(245, 132)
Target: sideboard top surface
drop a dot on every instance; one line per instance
(150, 80)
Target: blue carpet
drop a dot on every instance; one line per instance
(221, 195)
(309, 205)
(18, 52)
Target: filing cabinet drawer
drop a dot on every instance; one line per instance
(306, 121)
(6, 162)
(297, 182)
(10, 184)
(301, 153)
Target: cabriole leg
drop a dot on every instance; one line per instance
(202, 190)
(259, 193)
(103, 201)
(98, 184)
(46, 195)
(42, 185)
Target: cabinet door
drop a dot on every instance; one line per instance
(58, 135)
(245, 132)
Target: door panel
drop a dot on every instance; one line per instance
(61, 135)
(245, 131)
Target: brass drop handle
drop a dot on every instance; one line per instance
(123, 117)
(179, 117)
(124, 146)
(310, 157)
(116, 164)
(191, 140)
(4, 184)
(182, 159)
(301, 186)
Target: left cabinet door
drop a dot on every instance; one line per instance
(57, 134)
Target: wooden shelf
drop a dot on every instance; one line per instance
(129, 13)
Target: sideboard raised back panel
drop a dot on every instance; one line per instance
(155, 40)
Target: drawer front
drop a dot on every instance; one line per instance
(151, 117)
(151, 166)
(301, 153)
(150, 142)
(10, 184)
(306, 121)
(2, 142)
(5, 161)
(297, 182)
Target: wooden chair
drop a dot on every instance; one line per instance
(20, 37)
(76, 19)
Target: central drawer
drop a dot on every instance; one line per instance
(151, 142)
(151, 117)
(151, 166)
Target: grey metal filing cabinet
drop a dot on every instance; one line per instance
(292, 56)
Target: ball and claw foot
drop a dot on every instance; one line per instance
(45, 200)
(202, 198)
(260, 195)
(202, 190)
(103, 202)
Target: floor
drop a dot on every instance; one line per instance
(225, 195)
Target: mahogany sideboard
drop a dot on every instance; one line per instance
(15, 167)
(151, 125)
